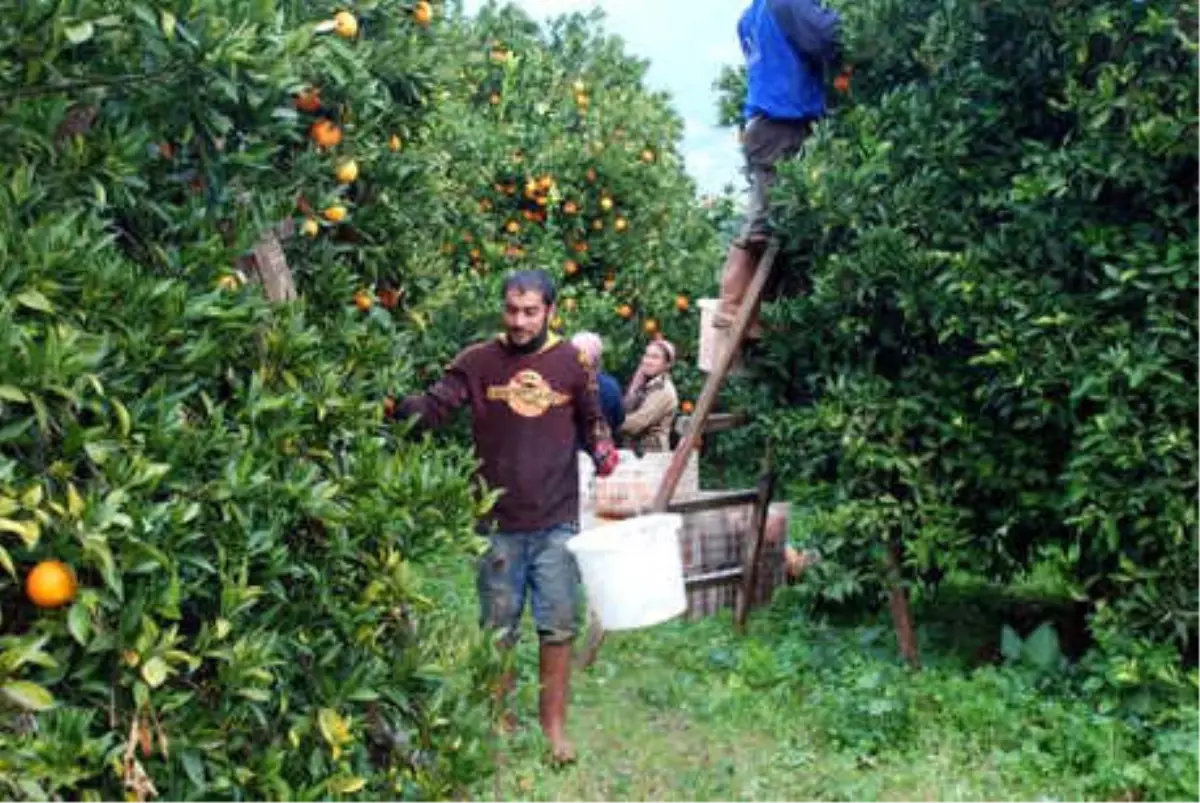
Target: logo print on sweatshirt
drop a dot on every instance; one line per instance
(528, 394)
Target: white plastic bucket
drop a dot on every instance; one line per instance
(633, 570)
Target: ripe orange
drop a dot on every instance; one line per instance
(625, 311)
(620, 224)
(647, 156)
(50, 584)
(395, 143)
(362, 300)
(687, 408)
(494, 99)
(570, 208)
(581, 247)
(335, 213)
(606, 203)
(512, 227)
(310, 228)
(345, 25)
(325, 133)
(308, 101)
(682, 304)
(475, 254)
(389, 298)
(570, 267)
(545, 183)
(842, 83)
(423, 13)
(650, 326)
(228, 282)
(609, 284)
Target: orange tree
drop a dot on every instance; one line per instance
(557, 156)
(992, 360)
(247, 540)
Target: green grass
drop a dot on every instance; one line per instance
(801, 710)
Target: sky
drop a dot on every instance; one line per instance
(686, 43)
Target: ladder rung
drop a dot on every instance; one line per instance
(717, 422)
(711, 578)
(714, 502)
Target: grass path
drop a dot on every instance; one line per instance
(799, 710)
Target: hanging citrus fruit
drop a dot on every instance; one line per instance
(325, 133)
(345, 25)
(50, 584)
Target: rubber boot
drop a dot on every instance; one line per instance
(554, 670)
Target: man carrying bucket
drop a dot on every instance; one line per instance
(530, 395)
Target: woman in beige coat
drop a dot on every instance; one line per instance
(651, 401)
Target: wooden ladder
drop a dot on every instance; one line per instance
(703, 421)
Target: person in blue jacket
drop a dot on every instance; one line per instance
(787, 45)
(611, 403)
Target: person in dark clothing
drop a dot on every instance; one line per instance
(610, 389)
(531, 394)
(787, 45)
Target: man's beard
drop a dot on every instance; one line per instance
(534, 343)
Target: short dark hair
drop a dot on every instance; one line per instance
(524, 281)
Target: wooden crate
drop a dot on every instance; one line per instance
(718, 542)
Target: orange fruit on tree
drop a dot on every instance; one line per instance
(597, 224)
(650, 326)
(687, 408)
(581, 247)
(362, 300)
(494, 99)
(335, 213)
(228, 282)
(647, 156)
(310, 228)
(50, 584)
(682, 304)
(842, 83)
(570, 208)
(345, 25)
(606, 203)
(512, 227)
(475, 254)
(620, 224)
(625, 311)
(423, 13)
(609, 284)
(485, 205)
(308, 101)
(347, 172)
(389, 298)
(325, 133)
(545, 183)
(570, 267)
(395, 143)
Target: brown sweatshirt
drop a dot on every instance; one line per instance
(527, 409)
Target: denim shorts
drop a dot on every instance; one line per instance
(534, 564)
(766, 143)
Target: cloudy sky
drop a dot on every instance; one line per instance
(686, 42)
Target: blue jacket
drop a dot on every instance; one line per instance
(612, 404)
(787, 44)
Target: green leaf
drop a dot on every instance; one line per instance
(6, 562)
(347, 785)
(155, 672)
(168, 22)
(29, 696)
(1042, 648)
(27, 531)
(9, 393)
(80, 33)
(79, 623)
(34, 300)
(75, 503)
(1010, 644)
(193, 765)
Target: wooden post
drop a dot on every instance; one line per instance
(906, 636)
(758, 526)
(712, 385)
